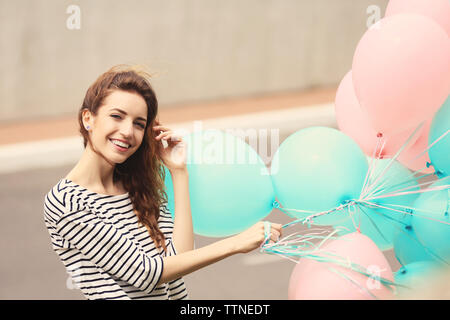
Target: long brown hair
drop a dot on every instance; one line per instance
(142, 174)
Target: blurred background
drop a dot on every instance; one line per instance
(260, 64)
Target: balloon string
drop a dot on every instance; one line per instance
(350, 203)
(423, 152)
(286, 251)
(355, 283)
(419, 155)
(426, 248)
(389, 195)
(394, 175)
(374, 183)
(428, 147)
(371, 165)
(374, 225)
(427, 183)
(413, 179)
(409, 211)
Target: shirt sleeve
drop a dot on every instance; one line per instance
(110, 250)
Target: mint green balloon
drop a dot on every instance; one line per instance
(394, 178)
(439, 153)
(378, 223)
(229, 185)
(431, 220)
(318, 169)
(407, 247)
(415, 275)
(373, 224)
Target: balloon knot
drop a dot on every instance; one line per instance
(428, 164)
(379, 135)
(439, 174)
(275, 204)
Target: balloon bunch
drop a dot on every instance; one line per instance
(393, 105)
(374, 180)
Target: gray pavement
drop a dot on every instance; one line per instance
(29, 269)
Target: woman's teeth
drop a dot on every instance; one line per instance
(120, 144)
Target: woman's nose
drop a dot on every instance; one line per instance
(127, 129)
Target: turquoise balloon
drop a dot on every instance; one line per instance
(378, 223)
(395, 178)
(431, 221)
(373, 224)
(229, 185)
(415, 275)
(439, 153)
(407, 247)
(318, 169)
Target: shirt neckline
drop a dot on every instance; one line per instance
(70, 182)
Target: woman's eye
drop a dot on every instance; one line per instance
(141, 125)
(116, 116)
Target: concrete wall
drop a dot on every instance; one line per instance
(200, 49)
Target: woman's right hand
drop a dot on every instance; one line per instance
(253, 237)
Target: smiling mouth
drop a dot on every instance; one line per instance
(122, 146)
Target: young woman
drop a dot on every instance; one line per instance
(108, 218)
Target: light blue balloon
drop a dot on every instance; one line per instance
(408, 248)
(394, 178)
(415, 275)
(431, 221)
(380, 229)
(229, 185)
(379, 223)
(317, 169)
(439, 153)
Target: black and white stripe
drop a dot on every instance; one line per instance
(106, 253)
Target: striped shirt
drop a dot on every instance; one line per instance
(104, 250)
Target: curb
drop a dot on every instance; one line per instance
(65, 151)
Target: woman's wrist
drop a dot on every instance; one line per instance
(179, 171)
(233, 245)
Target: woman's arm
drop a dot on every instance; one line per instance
(190, 261)
(183, 234)
(174, 158)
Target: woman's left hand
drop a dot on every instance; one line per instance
(174, 155)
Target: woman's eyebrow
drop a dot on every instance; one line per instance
(123, 112)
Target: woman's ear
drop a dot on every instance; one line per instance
(87, 118)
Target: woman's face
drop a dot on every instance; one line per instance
(119, 126)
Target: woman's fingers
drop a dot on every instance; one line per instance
(168, 135)
(163, 135)
(275, 232)
(161, 128)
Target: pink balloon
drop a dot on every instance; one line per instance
(408, 157)
(437, 10)
(354, 122)
(313, 280)
(401, 71)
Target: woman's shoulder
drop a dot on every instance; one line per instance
(58, 190)
(55, 203)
